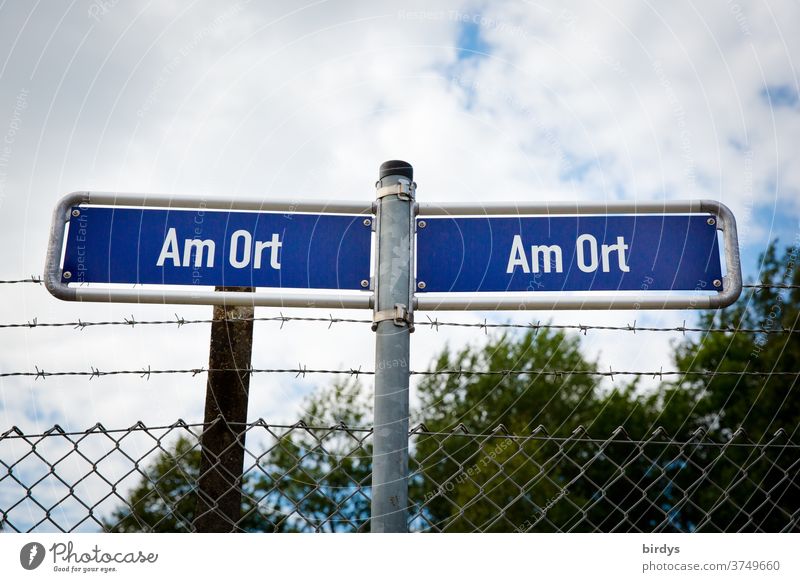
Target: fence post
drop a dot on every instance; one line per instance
(392, 322)
(219, 496)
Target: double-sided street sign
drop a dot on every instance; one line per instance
(319, 254)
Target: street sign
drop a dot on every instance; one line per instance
(568, 253)
(576, 255)
(216, 248)
(148, 248)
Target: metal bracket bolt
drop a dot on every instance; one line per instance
(711, 221)
(76, 212)
(367, 222)
(421, 285)
(422, 224)
(716, 283)
(364, 283)
(67, 275)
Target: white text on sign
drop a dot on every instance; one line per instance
(550, 258)
(243, 251)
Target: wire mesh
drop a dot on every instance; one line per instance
(303, 478)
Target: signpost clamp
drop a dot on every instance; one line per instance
(404, 189)
(399, 315)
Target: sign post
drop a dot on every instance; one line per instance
(392, 323)
(219, 483)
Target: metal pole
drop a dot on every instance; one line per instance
(393, 323)
(219, 496)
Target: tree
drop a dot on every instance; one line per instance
(498, 483)
(164, 500)
(709, 483)
(519, 401)
(765, 399)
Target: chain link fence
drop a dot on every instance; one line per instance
(302, 478)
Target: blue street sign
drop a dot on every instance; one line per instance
(219, 248)
(568, 253)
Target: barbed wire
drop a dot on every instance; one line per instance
(302, 371)
(771, 286)
(432, 323)
(610, 373)
(435, 324)
(179, 321)
(32, 279)
(145, 373)
(781, 441)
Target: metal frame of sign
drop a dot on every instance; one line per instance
(732, 283)
(261, 297)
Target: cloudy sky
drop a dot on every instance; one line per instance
(489, 101)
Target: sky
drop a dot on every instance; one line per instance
(490, 101)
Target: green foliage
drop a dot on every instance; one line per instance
(518, 401)
(164, 501)
(319, 479)
(581, 485)
(758, 404)
(502, 484)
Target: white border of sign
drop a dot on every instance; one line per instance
(732, 283)
(272, 297)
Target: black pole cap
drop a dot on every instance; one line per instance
(396, 168)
